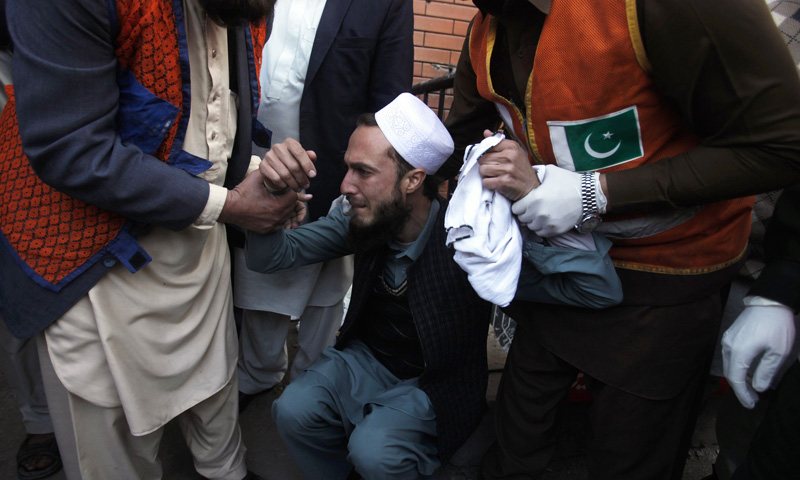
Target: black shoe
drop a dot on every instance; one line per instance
(250, 475)
(34, 449)
(244, 401)
(246, 398)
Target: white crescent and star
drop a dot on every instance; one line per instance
(596, 154)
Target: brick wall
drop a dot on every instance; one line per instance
(439, 29)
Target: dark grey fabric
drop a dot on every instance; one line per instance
(781, 277)
(776, 445)
(786, 15)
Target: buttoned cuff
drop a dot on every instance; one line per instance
(216, 200)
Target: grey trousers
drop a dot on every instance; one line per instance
(263, 359)
(20, 364)
(348, 411)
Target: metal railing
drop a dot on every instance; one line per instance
(440, 85)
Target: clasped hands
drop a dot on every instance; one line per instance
(550, 207)
(272, 198)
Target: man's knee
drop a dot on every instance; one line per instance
(376, 455)
(376, 458)
(300, 408)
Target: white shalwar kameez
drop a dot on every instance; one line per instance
(158, 342)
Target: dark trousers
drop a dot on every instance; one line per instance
(775, 449)
(634, 435)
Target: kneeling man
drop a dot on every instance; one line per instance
(405, 384)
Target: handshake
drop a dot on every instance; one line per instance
(272, 198)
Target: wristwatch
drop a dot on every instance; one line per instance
(590, 218)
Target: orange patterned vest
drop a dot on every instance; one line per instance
(56, 237)
(591, 105)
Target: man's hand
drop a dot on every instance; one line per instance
(555, 206)
(288, 165)
(506, 169)
(251, 206)
(296, 217)
(762, 336)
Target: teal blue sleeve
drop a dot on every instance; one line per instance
(320, 240)
(584, 278)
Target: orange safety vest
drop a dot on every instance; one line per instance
(56, 237)
(591, 105)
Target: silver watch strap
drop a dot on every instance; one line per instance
(588, 193)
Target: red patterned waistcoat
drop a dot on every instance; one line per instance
(55, 238)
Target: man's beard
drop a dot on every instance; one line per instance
(388, 221)
(233, 12)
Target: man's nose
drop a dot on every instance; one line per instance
(348, 187)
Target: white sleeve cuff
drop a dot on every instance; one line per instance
(754, 300)
(255, 161)
(216, 200)
(521, 206)
(602, 201)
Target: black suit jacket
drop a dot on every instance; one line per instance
(362, 58)
(780, 279)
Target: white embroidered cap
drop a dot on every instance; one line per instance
(415, 132)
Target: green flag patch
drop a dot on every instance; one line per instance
(595, 143)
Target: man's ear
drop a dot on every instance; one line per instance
(413, 180)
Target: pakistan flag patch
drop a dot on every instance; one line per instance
(595, 143)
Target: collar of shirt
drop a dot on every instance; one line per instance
(401, 256)
(414, 250)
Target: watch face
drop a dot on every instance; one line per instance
(589, 223)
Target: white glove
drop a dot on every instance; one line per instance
(554, 207)
(762, 336)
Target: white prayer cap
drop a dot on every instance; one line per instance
(415, 132)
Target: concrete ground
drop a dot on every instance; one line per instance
(267, 456)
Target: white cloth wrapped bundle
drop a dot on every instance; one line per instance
(484, 232)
